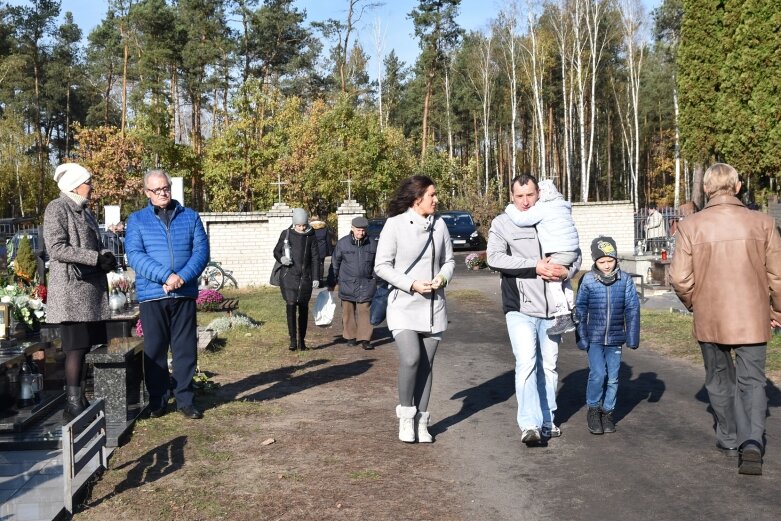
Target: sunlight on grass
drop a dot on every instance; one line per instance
(365, 475)
(671, 333)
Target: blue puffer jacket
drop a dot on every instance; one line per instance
(609, 315)
(156, 252)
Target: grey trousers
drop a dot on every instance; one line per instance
(736, 391)
(416, 363)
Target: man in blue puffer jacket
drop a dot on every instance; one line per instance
(167, 247)
(609, 313)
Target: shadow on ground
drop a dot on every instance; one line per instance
(572, 394)
(284, 383)
(477, 398)
(155, 464)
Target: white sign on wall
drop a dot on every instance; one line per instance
(111, 215)
(177, 189)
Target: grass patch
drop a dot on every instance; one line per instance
(363, 475)
(244, 409)
(671, 333)
(249, 350)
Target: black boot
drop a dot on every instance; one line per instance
(594, 420)
(73, 405)
(303, 317)
(608, 425)
(291, 326)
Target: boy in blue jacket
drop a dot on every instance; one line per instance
(609, 313)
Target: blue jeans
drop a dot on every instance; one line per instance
(535, 368)
(603, 361)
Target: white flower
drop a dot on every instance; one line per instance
(34, 303)
(6, 299)
(40, 314)
(11, 288)
(21, 301)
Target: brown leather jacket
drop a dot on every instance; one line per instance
(727, 270)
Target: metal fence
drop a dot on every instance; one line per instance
(670, 218)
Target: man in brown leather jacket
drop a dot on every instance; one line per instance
(727, 270)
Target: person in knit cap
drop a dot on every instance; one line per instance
(609, 316)
(353, 270)
(297, 251)
(552, 216)
(78, 288)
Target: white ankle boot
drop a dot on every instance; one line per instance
(422, 419)
(406, 416)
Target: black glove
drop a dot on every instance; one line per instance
(107, 261)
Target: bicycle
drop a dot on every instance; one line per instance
(215, 276)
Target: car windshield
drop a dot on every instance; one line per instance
(375, 226)
(453, 220)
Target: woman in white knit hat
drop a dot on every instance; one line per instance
(78, 289)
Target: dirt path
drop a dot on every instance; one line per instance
(335, 453)
(661, 464)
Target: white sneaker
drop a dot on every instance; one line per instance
(406, 416)
(530, 435)
(423, 419)
(550, 431)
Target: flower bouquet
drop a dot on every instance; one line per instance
(476, 261)
(118, 281)
(27, 304)
(208, 300)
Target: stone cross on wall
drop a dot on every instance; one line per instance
(279, 184)
(349, 188)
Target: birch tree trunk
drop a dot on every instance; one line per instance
(482, 85)
(594, 13)
(448, 111)
(632, 18)
(508, 31)
(535, 70)
(379, 45)
(565, 42)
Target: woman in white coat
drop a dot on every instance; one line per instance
(415, 256)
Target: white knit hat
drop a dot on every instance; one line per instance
(70, 175)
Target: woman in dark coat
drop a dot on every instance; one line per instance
(78, 288)
(300, 273)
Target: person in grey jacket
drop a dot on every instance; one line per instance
(78, 288)
(352, 266)
(516, 253)
(415, 256)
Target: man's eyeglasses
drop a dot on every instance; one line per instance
(160, 191)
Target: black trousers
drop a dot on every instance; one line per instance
(169, 322)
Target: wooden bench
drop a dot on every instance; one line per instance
(118, 375)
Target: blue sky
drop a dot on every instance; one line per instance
(398, 29)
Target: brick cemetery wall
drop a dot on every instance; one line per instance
(243, 241)
(615, 218)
